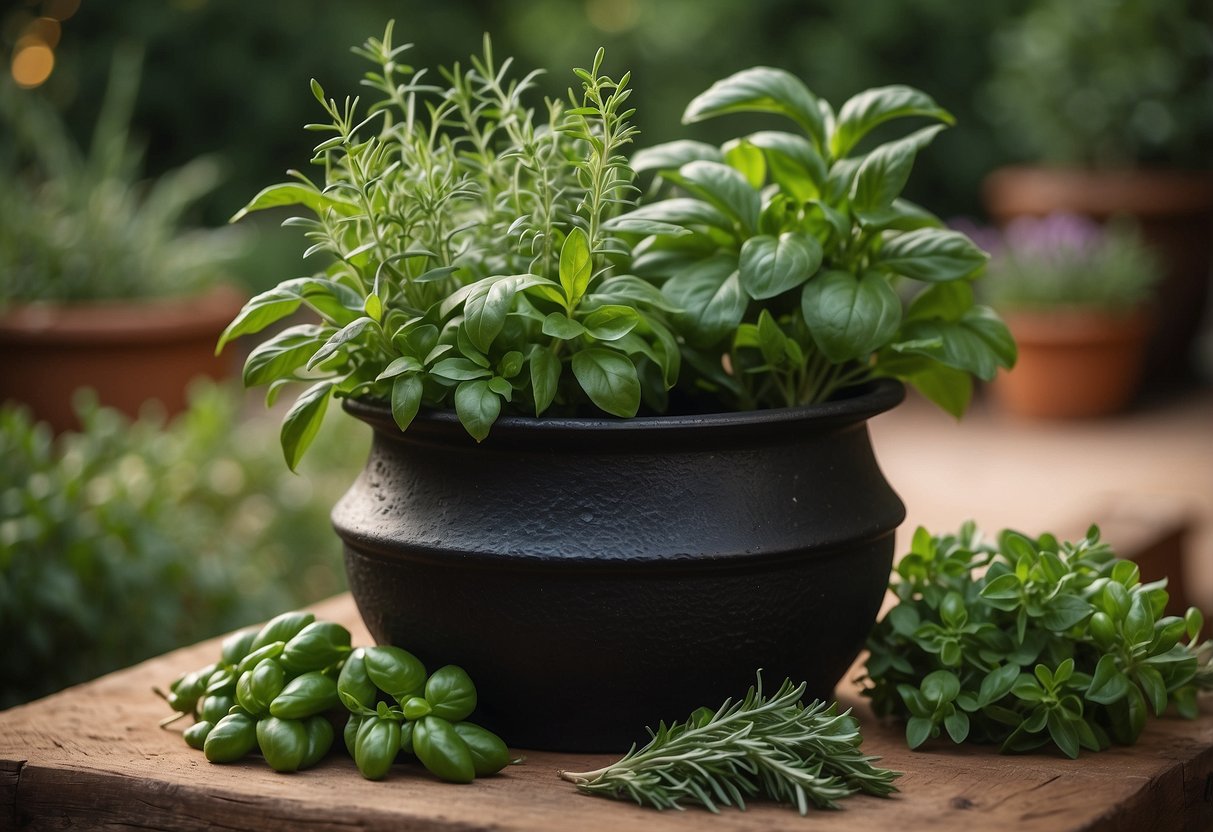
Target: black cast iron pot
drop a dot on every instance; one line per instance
(595, 576)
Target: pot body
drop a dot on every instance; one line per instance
(1175, 212)
(128, 352)
(1073, 363)
(596, 576)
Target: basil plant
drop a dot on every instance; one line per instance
(483, 254)
(797, 268)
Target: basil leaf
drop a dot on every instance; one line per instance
(931, 254)
(282, 354)
(609, 379)
(709, 293)
(302, 421)
(477, 407)
(850, 318)
(770, 266)
(760, 89)
(724, 187)
(406, 399)
(673, 155)
(545, 377)
(873, 107)
(883, 173)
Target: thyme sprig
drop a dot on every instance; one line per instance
(773, 747)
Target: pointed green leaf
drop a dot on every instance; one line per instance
(559, 325)
(770, 266)
(302, 421)
(709, 294)
(883, 173)
(576, 265)
(850, 318)
(673, 155)
(406, 399)
(760, 89)
(724, 187)
(609, 379)
(545, 378)
(477, 407)
(279, 356)
(931, 254)
(611, 322)
(875, 106)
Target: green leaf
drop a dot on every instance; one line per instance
(1139, 623)
(459, 369)
(957, 725)
(1063, 733)
(477, 407)
(349, 332)
(303, 420)
(559, 325)
(902, 215)
(770, 266)
(918, 731)
(709, 294)
(296, 193)
(793, 163)
(979, 343)
(770, 338)
(611, 322)
(485, 311)
(281, 355)
(934, 255)
(883, 173)
(1153, 685)
(850, 318)
(545, 377)
(673, 155)
(875, 106)
(1064, 612)
(747, 160)
(403, 364)
(940, 687)
(406, 399)
(628, 290)
(677, 211)
(609, 379)
(339, 304)
(760, 89)
(1108, 684)
(724, 187)
(997, 684)
(947, 387)
(576, 265)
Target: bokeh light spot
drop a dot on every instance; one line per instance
(612, 16)
(32, 64)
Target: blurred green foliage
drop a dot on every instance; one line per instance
(224, 77)
(131, 538)
(1106, 83)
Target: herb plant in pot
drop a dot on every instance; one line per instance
(1077, 296)
(1106, 105)
(620, 458)
(101, 283)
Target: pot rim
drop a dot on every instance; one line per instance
(863, 402)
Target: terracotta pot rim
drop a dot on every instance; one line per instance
(864, 402)
(1078, 324)
(121, 321)
(1039, 190)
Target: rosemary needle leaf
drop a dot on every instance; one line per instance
(772, 747)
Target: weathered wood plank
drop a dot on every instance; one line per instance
(92, 756)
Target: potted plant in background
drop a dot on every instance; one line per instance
(100, 283)
(1078, 298)
(1111, 104)
(620, 456)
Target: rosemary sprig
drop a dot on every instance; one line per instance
(776, 748)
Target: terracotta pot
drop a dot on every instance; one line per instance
(127, 351)
(1175, 212)
(594, 576)
(1073, 363)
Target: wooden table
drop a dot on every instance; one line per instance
(93, 756)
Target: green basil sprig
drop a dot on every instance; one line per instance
(276, 686)
(1030, 642)
(792, 255)
(394, 708)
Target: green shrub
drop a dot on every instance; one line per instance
(131, 538)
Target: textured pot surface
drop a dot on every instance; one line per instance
(596, 576)
(128, 352)
(1073, 364)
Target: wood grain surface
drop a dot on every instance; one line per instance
(93, 757)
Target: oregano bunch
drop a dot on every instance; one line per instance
(467, 257)
(1031, 642)
(773, 747)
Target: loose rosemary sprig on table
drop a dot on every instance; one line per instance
(775, 748)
